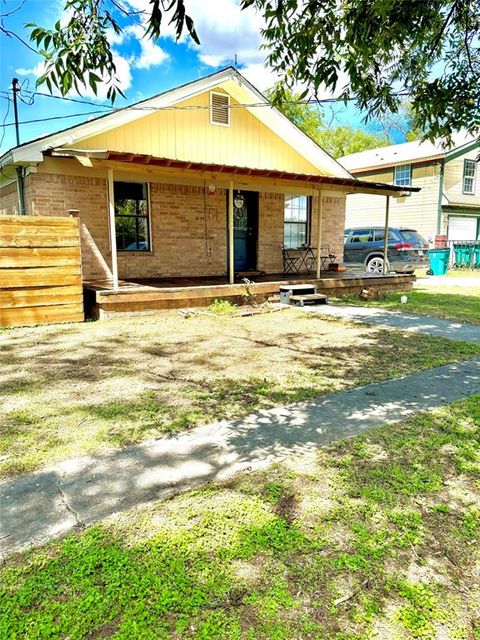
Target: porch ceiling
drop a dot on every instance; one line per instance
(347, 185)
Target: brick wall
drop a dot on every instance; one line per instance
(270, 232)
(54, 194)
(9, 198)
(189, 235)
(333, 224)
(188, 227)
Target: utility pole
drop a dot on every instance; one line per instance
(21, 194)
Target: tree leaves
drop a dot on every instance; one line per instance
(79, 53)
(428, 48)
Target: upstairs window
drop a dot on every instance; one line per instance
(219, 109)
(469, 167)
(131, 216)
(296, 221)
(402, 175)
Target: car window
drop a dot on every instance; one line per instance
(412, 236)
(362, 235)
(380, 235)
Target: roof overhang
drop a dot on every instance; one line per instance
(347, 185)
(234, 83)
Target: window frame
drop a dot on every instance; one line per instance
(402, 166)
(223, 95)
(307, 223)
(473, 178)
(148, 218)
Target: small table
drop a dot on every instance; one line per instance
(301, 260)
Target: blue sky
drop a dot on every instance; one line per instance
(144, 67)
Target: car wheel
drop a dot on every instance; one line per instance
(375, 265)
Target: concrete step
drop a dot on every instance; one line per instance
(308, 299)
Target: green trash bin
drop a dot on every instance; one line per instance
(439, 259)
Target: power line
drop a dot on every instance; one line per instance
(72, 115)
(308, 101)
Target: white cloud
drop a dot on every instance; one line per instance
(151, 54)
(223, 28)
(36, 71)
(123, 75)
(261, 76)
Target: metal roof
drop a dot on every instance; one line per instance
(169, 163)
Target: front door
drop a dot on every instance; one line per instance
(245, 230)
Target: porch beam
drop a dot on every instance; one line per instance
(319, 233)
(231, 247)
(111, 224)
(385, 242)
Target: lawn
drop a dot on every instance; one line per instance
(77, 389)
(375, 537)
(449, 301)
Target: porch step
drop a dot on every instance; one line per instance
(308, 299)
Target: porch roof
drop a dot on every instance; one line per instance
(349, 185)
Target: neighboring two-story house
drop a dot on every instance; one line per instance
(449, 200)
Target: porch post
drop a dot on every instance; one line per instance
(319, 233)
(111, 224)
(231, 248)
(385, 242)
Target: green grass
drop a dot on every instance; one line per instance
(82, 389)
(373, 537)
(461, 304)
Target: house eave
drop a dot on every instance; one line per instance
(346, 184)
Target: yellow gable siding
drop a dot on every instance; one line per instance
(453, 181)
(185, 133)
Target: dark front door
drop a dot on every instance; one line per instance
(245, 230)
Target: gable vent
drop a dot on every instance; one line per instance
(219, 109)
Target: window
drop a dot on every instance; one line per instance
(362, 235)
(380, 236)
(219, 109)
(469, 167)
(131, 216)
(296, 221)
(402, 175)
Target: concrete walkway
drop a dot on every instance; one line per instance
(42, 505)
(401, 320)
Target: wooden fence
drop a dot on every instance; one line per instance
(40, 270)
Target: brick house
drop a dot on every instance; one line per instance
(206, 180)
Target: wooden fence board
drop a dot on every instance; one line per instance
(41, 315)
(40, 270)
(38, 277)
(39, 257)
(39, 221)
(39, 296)
(38, 239)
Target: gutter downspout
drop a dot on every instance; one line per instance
(440, 194)
(20, 191)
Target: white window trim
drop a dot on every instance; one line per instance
(401, 166)
(223, 95)
(474, 177)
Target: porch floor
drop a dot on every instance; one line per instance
(150, 294)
